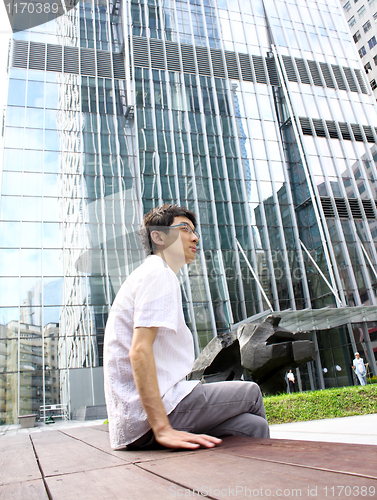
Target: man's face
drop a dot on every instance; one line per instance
(185, 242)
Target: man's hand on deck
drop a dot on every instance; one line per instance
(170, 438)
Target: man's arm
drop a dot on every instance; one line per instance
(145, 377)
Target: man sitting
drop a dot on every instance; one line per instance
(149, 351)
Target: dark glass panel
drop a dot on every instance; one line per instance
(226, 239)
(149, 186)
(208, 239)
(202, 188)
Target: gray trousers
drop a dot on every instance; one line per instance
(233, 408)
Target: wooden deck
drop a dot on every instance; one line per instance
(79, 463)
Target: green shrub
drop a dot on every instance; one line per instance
(315, 405)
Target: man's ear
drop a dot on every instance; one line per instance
(157, 239)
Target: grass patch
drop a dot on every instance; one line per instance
(315, 405)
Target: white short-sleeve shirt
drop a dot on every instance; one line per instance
(150, 297)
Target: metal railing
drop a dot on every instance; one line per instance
(53, 411)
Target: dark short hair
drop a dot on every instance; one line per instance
(161, 217)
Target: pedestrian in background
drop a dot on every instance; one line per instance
(291, 381)
(360, 369)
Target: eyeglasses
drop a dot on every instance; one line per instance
(187, 228)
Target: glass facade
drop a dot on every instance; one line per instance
(253, 114)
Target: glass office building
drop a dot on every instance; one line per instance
(361, 20)
(254, 114)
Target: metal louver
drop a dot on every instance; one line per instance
(140, 51)
(202, 58)
(231, 65)
(157, 53)
(272, 72)
(368, 133)
(332, 130)
(368, 209)
(103, 64)
(327, 75)
(317, 80)
(341, 207)
(355, 208)
(247, 72)
(71, 60)
(350, 79)
(188, 61)
(357, 132)
(20, 54)
(87, 62)
(327, 207)
(37, 56)
(361, 81)
(260, 73)
(303, 72)
(289, 69)
(305, 126)
(339, 77)
(54, 60)
(217, 63)
(51, 57)
(172, 56)
(319, 127)
(118, 66)
(344, 131)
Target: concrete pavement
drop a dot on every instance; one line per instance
(359, 429)
(42, 427)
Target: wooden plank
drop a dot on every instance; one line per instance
(94, 437)
(62, 454)
(102, 427)
(124, 482)
(220, 475)
(340, 457)
(100, 440)
(17, 459)
(30, 490)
